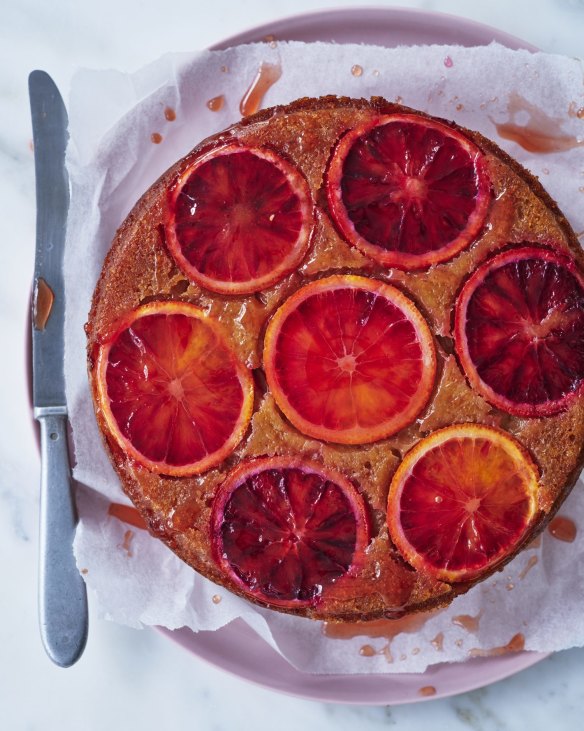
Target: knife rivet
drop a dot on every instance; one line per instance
(54, 436)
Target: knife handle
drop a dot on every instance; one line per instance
(62, 594)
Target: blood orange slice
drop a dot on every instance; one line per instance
(172, 394)
(284, 529)
(519, 331)
(239, 219)
(349, 359)
(461, 501)
(407, 191)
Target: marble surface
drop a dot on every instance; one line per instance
(130, 679)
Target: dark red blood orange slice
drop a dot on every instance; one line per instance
(461, 501)
(239, 219)
(349, 359)
(172, 394)
(519, 331)
(407, 191)
(284, 529)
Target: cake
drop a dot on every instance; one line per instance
(336, 355)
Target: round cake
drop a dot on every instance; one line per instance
(337, 358)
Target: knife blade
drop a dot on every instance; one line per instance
(62, 595)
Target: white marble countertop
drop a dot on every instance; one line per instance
(130, 679)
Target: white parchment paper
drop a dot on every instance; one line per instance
(112, 161)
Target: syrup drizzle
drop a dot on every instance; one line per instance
(266, 77)
(427, 690)
(127, 544)
(156, 138)
(564, 529)
(515, 644)
(539, 134)
(357, 70)
(387, 629)
(127, 514)
(43, 300)
(169, 114)
(528, 566)
(573, 111)
(438, 642)
(216, 598)
(467, 622)
(216, 103)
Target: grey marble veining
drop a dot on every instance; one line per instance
(139, 680)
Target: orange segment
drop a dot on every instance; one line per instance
(172, 393)
(462, 500)
(349, 359)
(284, 529)
(239, 219)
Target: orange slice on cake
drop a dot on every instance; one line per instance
(349, 359)
(519, 331)
(239, 219)
(172, 394)
(284, 529)
(462, 500)
(407, 191)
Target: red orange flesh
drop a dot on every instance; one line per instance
(171, 392)
(461, 500)
(283, 529)
(349, 359)
(408, 192)
(519, 331)
(239, 219)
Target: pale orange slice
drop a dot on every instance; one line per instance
(461, 501)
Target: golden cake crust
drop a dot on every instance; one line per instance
(138, 269)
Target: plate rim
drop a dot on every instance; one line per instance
(502, 666)
(317, 686)
(411, 16)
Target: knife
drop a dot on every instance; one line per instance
(62, 594)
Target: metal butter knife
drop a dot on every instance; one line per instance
(62, 595)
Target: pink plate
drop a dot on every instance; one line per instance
(236, 648)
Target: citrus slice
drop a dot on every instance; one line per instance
(519, 331)
(461, 501)
(285, 529)
(173, 395)
(407, 191)
(349, 359)
(239, 219)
